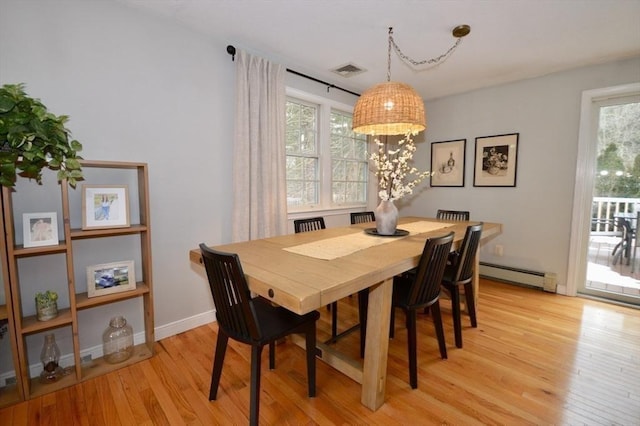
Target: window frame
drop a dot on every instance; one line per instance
(325, 203)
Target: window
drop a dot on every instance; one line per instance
(327, 164)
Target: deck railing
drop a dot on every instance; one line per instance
(604, 211)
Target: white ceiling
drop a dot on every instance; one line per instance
(509, 40)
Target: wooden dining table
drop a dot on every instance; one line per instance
(306, 271)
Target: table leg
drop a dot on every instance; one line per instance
(476, 278)
(377, 345)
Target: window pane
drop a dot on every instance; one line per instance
(302, 154)
(348, 161)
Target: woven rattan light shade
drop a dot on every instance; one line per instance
(389, 108)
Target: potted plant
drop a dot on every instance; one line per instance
(32, 138)
(46, 305)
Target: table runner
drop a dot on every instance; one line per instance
(333, 248)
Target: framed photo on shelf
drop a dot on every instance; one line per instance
(496, 160)
(40, 229)
(109, 278)
(447, 162)
(105, 206)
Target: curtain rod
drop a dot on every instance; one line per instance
(231, 50)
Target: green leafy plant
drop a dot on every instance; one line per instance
(32, 138)
(46, 298)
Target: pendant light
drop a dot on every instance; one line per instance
(393, 108)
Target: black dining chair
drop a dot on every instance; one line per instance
(459, 273)
(458, 215)
(310, 224)
(362, 217)
(254, 321)
(422, 290)
(622, 250)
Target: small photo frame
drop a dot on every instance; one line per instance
(448, 162)
(109, 278)
(105, 206)
(496, 160)
(40, 229)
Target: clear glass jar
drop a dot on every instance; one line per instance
(50, 357)
(117, 341)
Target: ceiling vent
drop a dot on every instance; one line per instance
(348, 70)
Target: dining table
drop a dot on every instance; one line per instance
(306, 271)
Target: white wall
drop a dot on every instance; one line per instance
(140, 88)
(545, 111)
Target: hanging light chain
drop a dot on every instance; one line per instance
(389, 54)
(433, 61)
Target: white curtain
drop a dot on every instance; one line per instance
(259, 176)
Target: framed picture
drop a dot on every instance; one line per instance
(447, 162)
(105, 206)
(40, 229)
(109, 278)
(496, 160)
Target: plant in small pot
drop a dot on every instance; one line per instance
(46, 305)
(32, 138)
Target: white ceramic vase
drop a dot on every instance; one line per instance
(386, 218)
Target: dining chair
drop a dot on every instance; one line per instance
(253, 321)
(453, 215)
(310, 224)
(635, 243)
(362, 217)
(412, 292)
(622, 250)
(459, 273)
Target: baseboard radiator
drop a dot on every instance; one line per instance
(546, 281)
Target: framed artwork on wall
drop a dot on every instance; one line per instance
(496, 160)
(105, 206)
(448, 162)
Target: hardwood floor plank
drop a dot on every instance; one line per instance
(535, 358)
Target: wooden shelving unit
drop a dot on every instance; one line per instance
(13, 393)
(68, 317)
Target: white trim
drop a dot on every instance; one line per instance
(185, 324)
(583, 190)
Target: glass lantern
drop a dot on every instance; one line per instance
(50, 357)
(117, 341)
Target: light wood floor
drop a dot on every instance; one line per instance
(536, 358)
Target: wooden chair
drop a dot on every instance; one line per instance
(458, 215)
(412, 292)
(460, 273)
(310, 224)
(255, 322)
(362, 217)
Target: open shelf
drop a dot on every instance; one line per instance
(31, 324)
(99, 366)
(38, 388)
(83, 302)
(25, 277)
(9, 395)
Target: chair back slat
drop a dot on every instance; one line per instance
(467, 253)
(362, 217)
(458, 215)
(433, 260)
(310, 224)
(231, 295)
